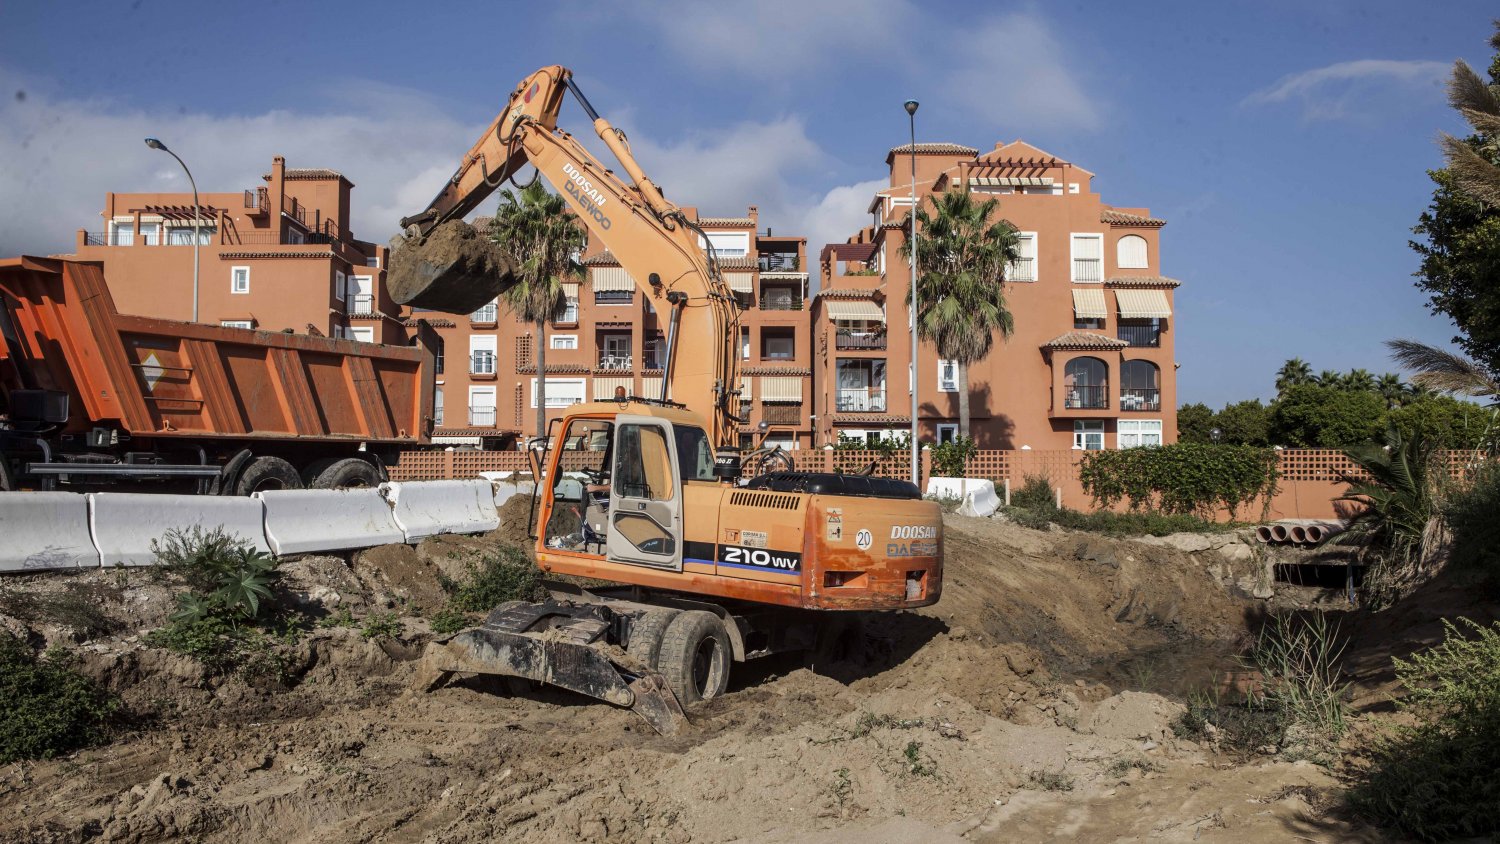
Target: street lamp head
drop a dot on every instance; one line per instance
(155, 144)
(911, 107)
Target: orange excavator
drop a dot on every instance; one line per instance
(649, 492)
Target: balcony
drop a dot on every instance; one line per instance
(437, 417)
(482, 417)
(482, 363)
(846, 340)
(1087, 397)
(1141, 336)
(1021, 269)
(862, 400)
(1140, 399)
(362, 303)
(1088, 269)
(781, 414)
(612, 297)
(776, 301)
(614, 362)
(772, 262)
(257, 202)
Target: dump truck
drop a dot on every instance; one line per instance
(714, 563)
(90, 396)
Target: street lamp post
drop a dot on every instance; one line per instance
(916, 462)
(197, 216)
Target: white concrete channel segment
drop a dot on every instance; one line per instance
(49, 531)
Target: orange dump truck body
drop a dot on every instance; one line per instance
(156, 382)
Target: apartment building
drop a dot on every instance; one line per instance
(1090, 361)
(608, 336)
(276, 256)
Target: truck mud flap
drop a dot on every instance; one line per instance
(584, 669)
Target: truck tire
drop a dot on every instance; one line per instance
(6, 484)
(646, 632)
(266, 473)
(349, 473)
(695, 656)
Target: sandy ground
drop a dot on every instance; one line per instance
(1012, 711)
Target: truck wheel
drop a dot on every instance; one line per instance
(695, 656)
(349, 473)
(646, 632)
(6, 484)
(266, 473)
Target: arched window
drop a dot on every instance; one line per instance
(1087, 383)
(1130, 252)
(1140, 385)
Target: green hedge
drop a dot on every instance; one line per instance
(1181, 478)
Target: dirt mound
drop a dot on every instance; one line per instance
(455, 270)
(515, 516)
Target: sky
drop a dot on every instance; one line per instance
(1286, 143)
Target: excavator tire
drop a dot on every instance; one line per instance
(349, 473)
(646, 633)
(695, 656)
(454, 269)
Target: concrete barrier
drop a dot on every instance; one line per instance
(42, 531)
(979, 497)
(428, 508)
(508, 485)
(303, 521)
(123, 524)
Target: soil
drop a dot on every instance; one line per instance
(1001, 714)
(455, 270)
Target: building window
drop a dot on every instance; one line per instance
(122, 233)
(437, 407)
(777, 344)
(565, 341)
(744, 343)
(1140, 388)
(1024, 267)
(1088, 434)
(361, 294)
(613, 297)
(561, 392)
(1140, 332)
(236, 323)
(372, 261)
(1086, 381)
(183, 235)
(947, 376)
(482, 407)
(1097, 324)
(487, 313)
(1130, 252)
(295, 237)
(569, 313)
(1139, 432)
(150, 234)
(614, 351)
(239, 279)
(861, 386)
(340, 285)
(482, 354)
(1088, 257)
(363, 334)
(438, 357)
(947, 433)
(728, 244)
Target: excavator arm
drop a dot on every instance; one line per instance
(658, 246)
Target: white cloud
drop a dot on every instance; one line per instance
(1016, 79)
(1354, 88)
(65, 154)
(841, 212)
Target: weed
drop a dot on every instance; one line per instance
(1436, 780)
(342, 618)
(1142, 523)
(916, 763)
(448, 621)
(1124, 764)
(79, 607)
(1035, 494)
(843, 786)
(505, 574)
(1043, 780)
(1142, 673)
(382, 626)
(1300, 663)
(49, 708)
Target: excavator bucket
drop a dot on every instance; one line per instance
(454, 269)
(585, 669)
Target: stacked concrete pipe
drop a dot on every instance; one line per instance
(1297, 532)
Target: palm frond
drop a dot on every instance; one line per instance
(1468, 92)
(1474, 175)
(1439, 369)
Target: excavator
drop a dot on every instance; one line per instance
(651, 493)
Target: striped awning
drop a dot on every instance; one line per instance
(1011, 181)
(570, 289)
(610, 279)
(745, 392)
(854, 310)
(1088, 303)
(740, 282)
(650, 386)
(781, 388)
(604, 386)
(1143, 304)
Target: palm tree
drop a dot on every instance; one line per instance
(1473, 166)
(1293, 372)
(961, 260)
(1437, 369)
(1396, 490)
(542, 237)
(1360, 380)
(1329, 378)
(1392, 389)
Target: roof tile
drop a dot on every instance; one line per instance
(1083, 340)
(1120, 218)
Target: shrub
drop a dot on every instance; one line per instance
(504, 574)
(951, 459)
(1397, 491)
(1113, 524)
(1181, 478)
(446, 621)
(382, 626)
(49, 708)
(1035, 494)
(1299, 661)
(1470, 514)
(1436, 781)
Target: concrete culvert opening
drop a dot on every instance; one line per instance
(455, 270)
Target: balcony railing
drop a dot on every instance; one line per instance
(258, 200)
(437, 417)
(482, 417)
(856, 340)
(1021, 269)
(482, 363)
(362, 303)
(612, 361)
(1088, 397)
(1140, 335)
(1088, 269)
(781, 414)
(862, 400)
(781, 303)
(770, 262)
(1140, 398)
(612, 297)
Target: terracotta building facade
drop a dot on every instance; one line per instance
(1090, 361)
(277, 256)
(608, 337)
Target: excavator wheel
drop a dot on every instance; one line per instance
(646, 634)
(695, 656)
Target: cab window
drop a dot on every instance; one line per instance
(694, 453)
